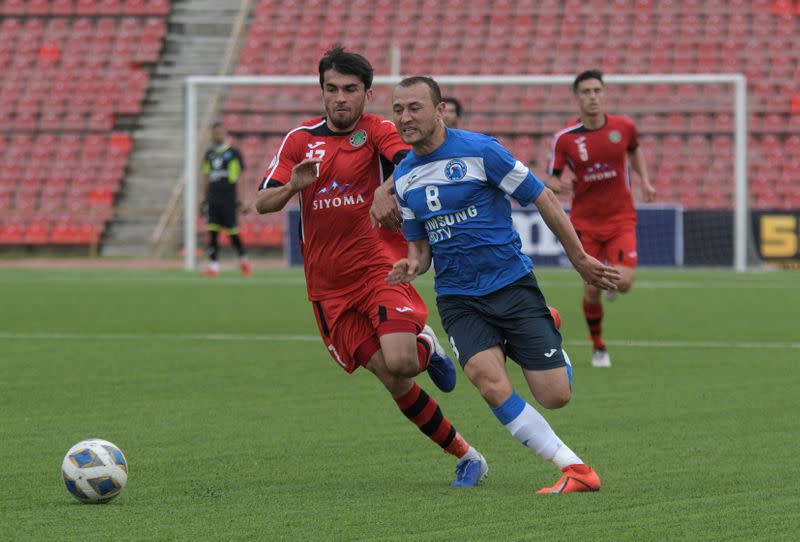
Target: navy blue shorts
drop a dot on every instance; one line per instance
(515, 317)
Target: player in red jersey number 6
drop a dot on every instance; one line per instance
(598, 148)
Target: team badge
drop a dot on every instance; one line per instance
(358, 138)
(455, 170)
(615, 136)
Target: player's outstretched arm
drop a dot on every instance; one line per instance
(639, 165)
(590, 269)
(304, 174)
(417, 263)
(384, 211)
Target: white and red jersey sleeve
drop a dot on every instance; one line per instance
(559, 158)
(291, 151)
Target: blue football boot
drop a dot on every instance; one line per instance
(440, 367)
(470, 472)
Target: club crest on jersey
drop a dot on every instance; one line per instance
(614, 136)
(358, 138)
(455, 170)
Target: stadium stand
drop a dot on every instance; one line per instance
(686, 129)
(68, 69)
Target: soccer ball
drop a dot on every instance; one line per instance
(556, 316)
(94, 470)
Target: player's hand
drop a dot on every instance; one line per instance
(403, 270)
(649, 192)
(598, 274)
(384, 211)
(304, 174)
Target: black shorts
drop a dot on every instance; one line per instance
(221, 215)
(516, 318)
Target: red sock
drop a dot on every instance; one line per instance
(424, 412)
(594, 319)
(459, 447)
(424, 349)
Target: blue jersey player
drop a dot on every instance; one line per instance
(453, 189)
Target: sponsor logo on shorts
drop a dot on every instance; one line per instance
(403, 309)
(550, 353)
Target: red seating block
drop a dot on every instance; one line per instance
(12, 232)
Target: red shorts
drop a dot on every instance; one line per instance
(616, 248)
(350, 326)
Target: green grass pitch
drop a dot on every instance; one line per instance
(237, 425)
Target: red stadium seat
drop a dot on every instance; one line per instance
(110, 7)
(12, 232)
(14, 7)
(38, 7)
(37, 232)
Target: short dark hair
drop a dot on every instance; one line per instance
(336, 58)
(433, 86)
(588, 74)
(456, 104)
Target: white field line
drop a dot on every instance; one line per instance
(233, 337)
(115, 278)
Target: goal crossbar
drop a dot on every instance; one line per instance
(737, 80)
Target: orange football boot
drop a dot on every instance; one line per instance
(576, 478)
(247, 270)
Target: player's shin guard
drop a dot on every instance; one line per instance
(424, 412)
(530, 428)
(594, 320)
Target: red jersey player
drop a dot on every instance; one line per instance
(335, 163)
(598, 148)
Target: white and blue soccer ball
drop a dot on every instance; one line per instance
(94, 470)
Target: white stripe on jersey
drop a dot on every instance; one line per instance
(407, 213)
(277, 160)
(514, 178)
(552, 161)
(433, 173)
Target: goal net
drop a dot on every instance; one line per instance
(692, 130)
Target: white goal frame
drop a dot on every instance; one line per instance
(737, 80)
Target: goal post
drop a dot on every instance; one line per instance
(737, 81)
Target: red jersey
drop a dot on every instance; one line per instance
(602, 198)
(341, 249)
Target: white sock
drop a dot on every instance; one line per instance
(472, 453)
(530, 428)
(214, 266)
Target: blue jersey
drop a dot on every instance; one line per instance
(457, 198)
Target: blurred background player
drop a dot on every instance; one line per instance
(336, 163)
(453, 189)
(222, 168)
(598, 148)
(452, 111)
